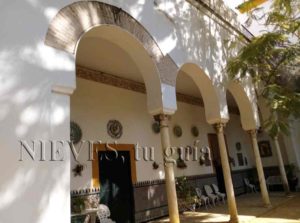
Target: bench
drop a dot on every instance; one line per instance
(273, 181)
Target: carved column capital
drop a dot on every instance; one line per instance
(162, 119)
(219, 127)
(252, 133)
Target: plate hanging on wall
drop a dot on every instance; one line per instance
(114, 129)
(75, 132)
(177, 130)
(195, 131)
(155, 127)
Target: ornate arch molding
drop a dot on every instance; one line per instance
(245, 98)
(74, 20)
(214, 108)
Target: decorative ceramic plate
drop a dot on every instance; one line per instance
(75, 133)
(114, 129)
(177, 131)
(195, 131)
(155, 127)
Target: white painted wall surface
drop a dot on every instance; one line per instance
(235, 133)
(272, 161)
(39, 191)
(32, 191)
(292, 143)
(93, 104)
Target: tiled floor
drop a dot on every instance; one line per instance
(284, 210)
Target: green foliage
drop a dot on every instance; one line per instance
(77, 204)
(184, 190)
(273, 60)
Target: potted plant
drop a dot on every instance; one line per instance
(78, 204)
(186, 195)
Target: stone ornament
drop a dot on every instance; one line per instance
(114, 129)
(180, 162)
(177, 130)
(195, 131)
(155, 165)
(75, 132)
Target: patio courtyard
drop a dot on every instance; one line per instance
(284, 210)
(129, 111)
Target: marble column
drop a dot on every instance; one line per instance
(169, 170)
(260, 169)
(285, 182)
(227, 174)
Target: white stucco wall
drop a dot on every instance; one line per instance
(292, 143)
(32, 191)
(293, 150)
(234, 133)
(272, 161)
(39, 191)
(93, 104)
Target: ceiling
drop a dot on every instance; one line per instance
(102, 55)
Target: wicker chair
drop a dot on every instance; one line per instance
(249, 186)
(220, 195)
(203, 199)
(103, 214)
(209, 192)
(87, 219)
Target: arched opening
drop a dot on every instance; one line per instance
(117, 38)
(239, 143)
(209, 92)
(243, 118)
(241, 98)
(76, 19)
(198, 108)
(119, 67)
(114, 77)
(244, 97)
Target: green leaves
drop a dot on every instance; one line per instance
(184, 189)
(274, 127)
(283, 6)
(273, 59)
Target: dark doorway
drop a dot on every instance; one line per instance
(116, 185)
(216, 159)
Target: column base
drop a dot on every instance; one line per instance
(234, 220)
(268, 205)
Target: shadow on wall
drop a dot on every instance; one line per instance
(205, 46)
(30, 190)
(28, 110)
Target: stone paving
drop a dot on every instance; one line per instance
(284, 210)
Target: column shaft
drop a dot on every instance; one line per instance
(281, 167)
(169, 171)
(260, 170)
(227, 174)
